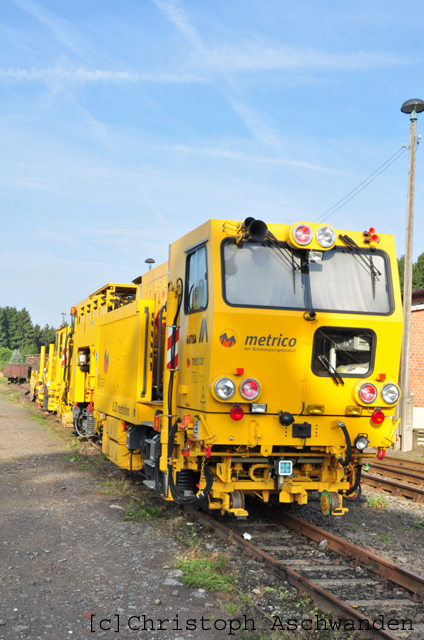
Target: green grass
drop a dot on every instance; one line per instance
(384, 537)
(139, 513)
(231, 608)
(377, 502)
(39, 419)
(8, 392)
(107, 483)
(75, 457)
(203, 573)
(417, 525)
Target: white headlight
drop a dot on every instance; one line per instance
(225, 388)
(390, 393)
(361, 443)
(326, 236)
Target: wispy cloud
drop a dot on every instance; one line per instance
(85, 76)
(255, 123)
(229, 60)
(179, 19)
(62, 29)
(245, 157)
(260, 56)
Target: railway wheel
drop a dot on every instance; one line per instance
(329, 502)
(237, 500)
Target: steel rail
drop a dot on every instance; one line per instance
(399, 473)
(395, 488)
(399, 463)
(325, 600)
(382, 567)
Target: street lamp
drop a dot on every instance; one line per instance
(412, 107)
(150, 261)
(63, 318)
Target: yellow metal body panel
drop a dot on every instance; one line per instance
(114, 429)
(124, 374)
(119, 455)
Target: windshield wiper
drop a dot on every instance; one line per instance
(366, 260)
(287, 256)
(331, 370)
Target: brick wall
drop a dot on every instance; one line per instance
(416, 371)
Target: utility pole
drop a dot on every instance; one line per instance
(413, 107)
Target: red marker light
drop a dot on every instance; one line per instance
(378, 416)
(372, 230)
(368, 393)
(250, 389)
(302, 234)
(236, 412)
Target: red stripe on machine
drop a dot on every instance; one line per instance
(172, 340)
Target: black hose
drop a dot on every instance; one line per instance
(357, 482)
(117, 295)
(66, 359)
(67, 366)
(177, 495)
(346, 461)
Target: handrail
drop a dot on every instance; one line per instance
(159, 387)
(146, 338)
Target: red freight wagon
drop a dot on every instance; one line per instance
(17, 372)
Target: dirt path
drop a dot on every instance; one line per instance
(65, 552)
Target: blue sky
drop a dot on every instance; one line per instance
(123, 125)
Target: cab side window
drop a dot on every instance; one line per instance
(197, 281)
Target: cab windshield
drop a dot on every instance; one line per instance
(261, 274)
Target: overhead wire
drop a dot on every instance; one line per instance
(400, 152)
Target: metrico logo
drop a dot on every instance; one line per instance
(228, 338)
(270, 341)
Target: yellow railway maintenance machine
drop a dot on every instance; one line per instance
(58, 375)
(38, 380)
(258, 360)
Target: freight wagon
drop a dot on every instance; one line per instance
(17, 372)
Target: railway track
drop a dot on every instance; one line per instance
(340, 578)
(398, 477)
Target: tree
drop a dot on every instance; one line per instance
(16, 356)
(401, 267)
(18, 332)
(418, 274)
(4, 329)
(25, 328)
(12, 323)
(47, 335)
(5, 355)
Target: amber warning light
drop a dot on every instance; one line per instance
(73, 311)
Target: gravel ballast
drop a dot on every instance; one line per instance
(66, 553)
